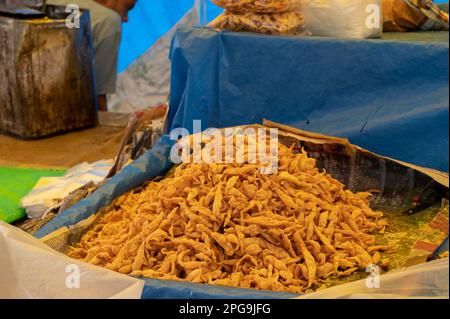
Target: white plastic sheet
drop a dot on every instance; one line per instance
(428, 280)
(360, 19)
(146, 81)
(31, 269)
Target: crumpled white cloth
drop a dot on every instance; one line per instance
(48, 190)
(31, 269)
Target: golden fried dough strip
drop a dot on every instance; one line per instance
(309, 259)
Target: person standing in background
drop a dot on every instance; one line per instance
(106, 25)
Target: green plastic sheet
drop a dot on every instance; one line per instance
(16, 183)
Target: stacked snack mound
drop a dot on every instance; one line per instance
(229, 224)
(261, 16)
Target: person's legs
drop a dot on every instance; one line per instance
(106, 26)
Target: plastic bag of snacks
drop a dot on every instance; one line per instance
(290, 22)
(259, 6)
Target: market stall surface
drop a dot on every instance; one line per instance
(156, 162)
(22, 163)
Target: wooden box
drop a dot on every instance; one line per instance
(47, 81)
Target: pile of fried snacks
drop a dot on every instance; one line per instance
(259, 6)
(290, 22)
(228, 224)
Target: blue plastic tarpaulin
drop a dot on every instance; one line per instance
(390, 97)
(150, 20)
(150, 165)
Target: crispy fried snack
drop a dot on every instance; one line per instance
(259, 6)
(291, 22)
(228, 224)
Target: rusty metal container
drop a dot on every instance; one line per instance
(47, 83)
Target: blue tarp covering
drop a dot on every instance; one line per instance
(391, 97)
(167, 289)
(152, 164)
(150, 20)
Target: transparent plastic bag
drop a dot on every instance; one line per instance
(31, 269)
(271, 23)
(427, 280)
(259, 6)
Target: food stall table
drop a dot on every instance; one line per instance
(388, 95)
